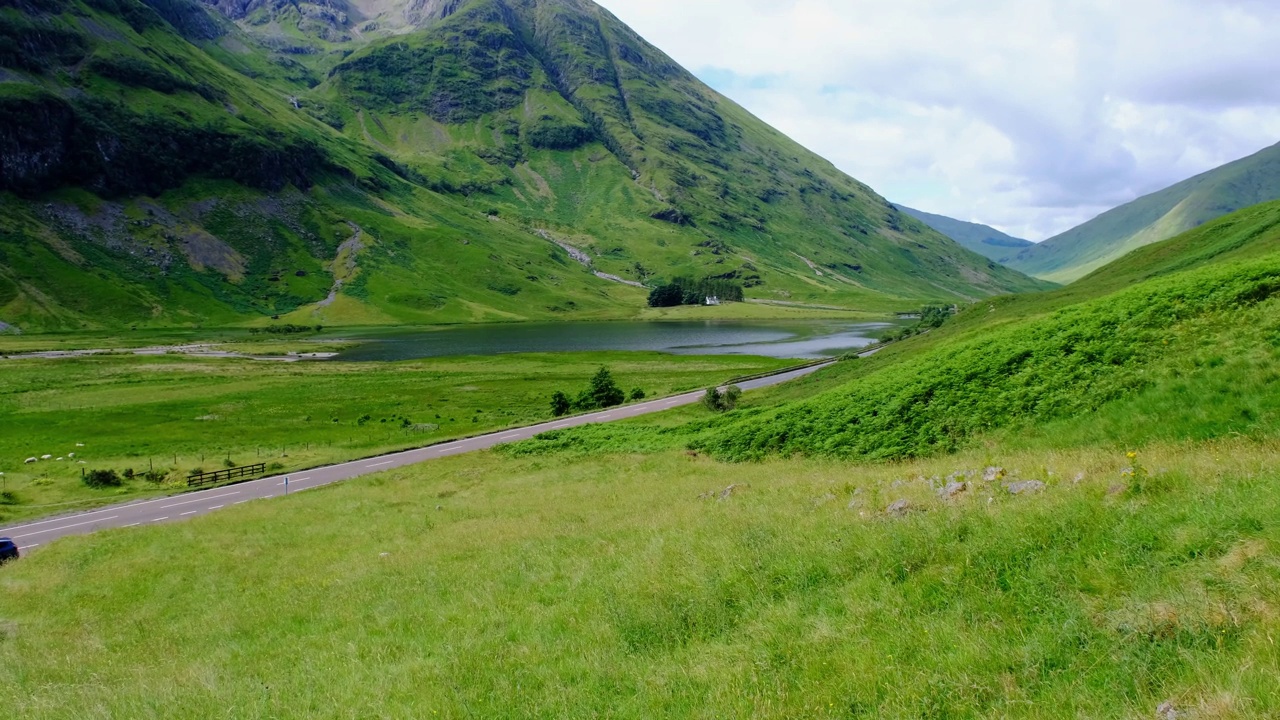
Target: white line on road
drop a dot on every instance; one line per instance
(217, 507)
(381, 464)
(240, 503)
(28, 547)
(64, 527)
(199, 499)
(189, 512)
(166, 517)
(508, 437)
(133, 524)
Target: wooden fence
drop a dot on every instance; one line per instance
(213, 477)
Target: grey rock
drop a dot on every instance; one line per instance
(952, 489)
(1168, 710)
(993, 474)
(1023, 487)
(899, 507)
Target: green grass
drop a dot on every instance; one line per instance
(175, 413)
(491, 587)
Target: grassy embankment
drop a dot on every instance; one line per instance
(174, 413)
(492, 587)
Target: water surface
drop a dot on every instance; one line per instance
(781, 339)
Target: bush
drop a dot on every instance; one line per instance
(717, 401)
(102, 479)
(560, 404)
(637, 394)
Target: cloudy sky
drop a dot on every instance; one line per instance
(1030, 115)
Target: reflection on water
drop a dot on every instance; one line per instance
(773, 339)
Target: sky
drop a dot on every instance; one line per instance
(1029, 115)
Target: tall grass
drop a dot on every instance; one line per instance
(644, 586)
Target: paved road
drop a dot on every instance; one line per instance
(186, 505)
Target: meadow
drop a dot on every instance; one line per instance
(672, 585)
(173, 414)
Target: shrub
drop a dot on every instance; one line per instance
(637, 394)
(560, 404)
(722, 401)
(102, 479)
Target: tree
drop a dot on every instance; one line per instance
(560, 404)
(603, 391)
(666, 296)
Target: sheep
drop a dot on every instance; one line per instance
(71, 455)
(61, 459)
(46, 457)
(79, 444)
(28, 461)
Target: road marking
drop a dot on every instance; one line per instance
(190, 512)
(508, 437)
(200, 499)
(302, 479)
(604, 417)
(132, 524)
(64, 527)
(166, 517)
(381, 464)
(217, 507)
(240, 503)
(28, 547)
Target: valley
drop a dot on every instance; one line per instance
(598, 395)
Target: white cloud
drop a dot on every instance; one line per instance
(1031, 115)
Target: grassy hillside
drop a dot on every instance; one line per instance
(164, 167)
(1178, 342)
(624, 586)
(1161, 215)
(982, 239)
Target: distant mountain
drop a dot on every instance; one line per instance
(982, 239)
(168, 162)
(1155, 217)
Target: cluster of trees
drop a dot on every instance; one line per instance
(685, 291)
(931, 316)
(602, 392)
(286, 329)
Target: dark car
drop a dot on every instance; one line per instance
(8, 550)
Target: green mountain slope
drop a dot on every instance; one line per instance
(394, 163)
(1178, 341)
(1155, 217)
(982, 239)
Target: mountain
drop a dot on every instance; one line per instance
(982, 239)
(1155, 217)
(172, 163)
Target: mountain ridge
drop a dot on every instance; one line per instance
(1154, 217)
(469, 146)
(982, 239)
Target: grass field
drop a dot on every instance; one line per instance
(627, 586)
(174, 413)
